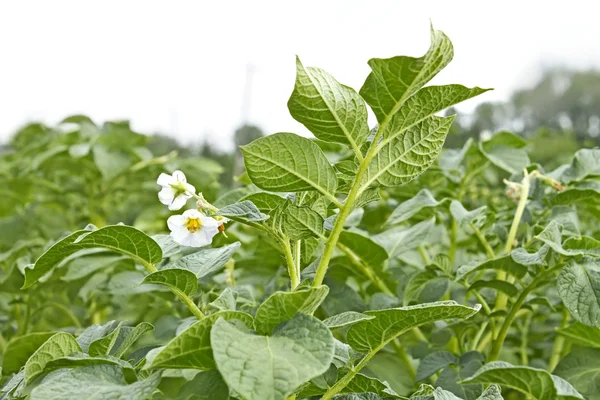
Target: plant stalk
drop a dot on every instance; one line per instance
(188, 301)
(559, 342)
(499, 341)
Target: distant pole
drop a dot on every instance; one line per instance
(247, 94)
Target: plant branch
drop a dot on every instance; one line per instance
(499, 341)
(187, 300)
(559, 342)
(289, 260)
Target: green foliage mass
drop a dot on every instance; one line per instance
(370, 262)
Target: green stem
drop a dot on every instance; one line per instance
(502, 298)
(525, 339)
(298, 257)
(401, 353)
(424, 254)
(478, 335)
(289, 260)
(346, 208)
(559, 342)
(342, 383)
(453, 236)
(366, 270)
(25, 326)
(187, 300)
(499, 341)
(488, 248)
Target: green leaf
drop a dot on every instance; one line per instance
(463, 216)
(388, 324)
(581, 367)
(110, 163)
(302, 222)
(118, 238)
(104, 345)
(283, 306)
(403, 158)
(205, 262)
(207, 385)
(331, 111)
(581, 334)
(586, 162)
(116, 341)
(587, 245)
(128, 336)
(285, 162)
(372, 253)
(245, 210)
(175, 278)
(505, 263)
(417, 284)
(57, 346)
(76, 360)
(266, 202)
(393, 80)
(400, 239)
(588, 196)
(499, 285)
(433, 362)
(533, 382)
(345, 319)
(552, 236)
(579, 288)
(83, 266)
(192, 348)
(97, 381)
(409, 208)
(272, 367)
(359, 385)
(450, 376)
(20, 348)
(94, 333)
(491, 393)
(505, 150)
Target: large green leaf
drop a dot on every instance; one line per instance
(394, 80)
(373, 334)
(406, 210)
(96, 381)
(272, 367)
(586, 162)
(206, 261)
(244, 210)
(76, 360)
(533, 382)
(175, 278)
(552, 236)
(345, 319)
(302, 222)
(118, 238)
(505, 150)
(400, 239)
(283, 306)
(57, 346)
(206, 385)
(285, 162)
(581, 334)
(20, 348)
(493, 392)
(94, 333)
(579, 288)
(402, 159)
(192, 348)
(373, 254)
(331, 111)
(433, 362)
(582, 368)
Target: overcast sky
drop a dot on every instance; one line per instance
(179, 67)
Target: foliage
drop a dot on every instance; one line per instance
(363, 264)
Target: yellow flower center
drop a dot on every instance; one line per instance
(193, 224)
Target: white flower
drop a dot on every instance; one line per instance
(176, 191)
(193, 228)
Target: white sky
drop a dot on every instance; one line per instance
(179, 67)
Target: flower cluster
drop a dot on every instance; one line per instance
(194, 228)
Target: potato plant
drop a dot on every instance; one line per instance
(365, 263)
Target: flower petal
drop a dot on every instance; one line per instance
(164, 180)
(167, 195)
(176, 222)
(178, 202)
(209, 221)
(183, 237)
(200, 239)
(210, 232)
(179, 176)
(189, 188)
(192, 213)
